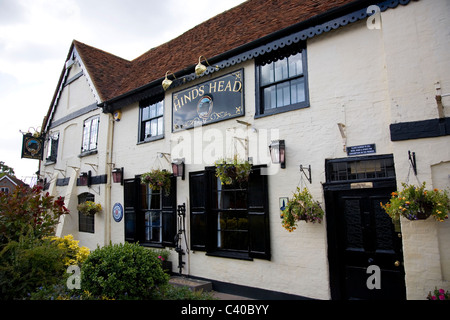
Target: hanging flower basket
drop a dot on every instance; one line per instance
(417, 203)
(231, 171)
(89, 208)
(301, 207)
(157, 179)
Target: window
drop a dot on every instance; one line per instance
(229, 221)
(282, 83)
(152, 209)
(151, 121)
(150, 215)
(52, 148)
(85, 223)
(90, 134)
(230, 207)
(360, 169)
(5, 190)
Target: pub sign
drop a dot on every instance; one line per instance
(208, 102)
(32, 147)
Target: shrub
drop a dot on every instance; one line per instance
(123, 271)
(28, 211)
(28, 264)
(74, 254)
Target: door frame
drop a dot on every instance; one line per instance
(331, 188)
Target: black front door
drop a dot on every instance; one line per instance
(365, 247)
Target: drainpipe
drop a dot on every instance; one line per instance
(108, 164)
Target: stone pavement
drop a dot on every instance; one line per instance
(195, 284)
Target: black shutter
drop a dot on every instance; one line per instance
(198, 195)
(258, 215)
(131, 199)
(169, 215)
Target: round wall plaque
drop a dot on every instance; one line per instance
(117, 212)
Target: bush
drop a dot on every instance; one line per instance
(123, 271)
(28, 264)
(28, 212)
(74, 254)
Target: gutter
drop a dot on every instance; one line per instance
(356, 11)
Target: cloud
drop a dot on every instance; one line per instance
(35, 36)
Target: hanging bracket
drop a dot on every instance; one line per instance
(302, 169)
(412, 161)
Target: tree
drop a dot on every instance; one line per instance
(4, 169)
(29, 211)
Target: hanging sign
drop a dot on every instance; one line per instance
(208, 102)
(32, 147)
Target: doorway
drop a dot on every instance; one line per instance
(364, 246)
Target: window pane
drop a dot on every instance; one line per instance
(154, 126)
(86, 132)
(283, 94)
(298, 90)
(145, 113)
(270, 96)
(295, 65)
(281, 70)
(147, 130)
(160, 108)
(152, 111)
(267, 75)
(160, 126)
(94, 131)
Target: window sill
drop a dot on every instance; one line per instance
(87, 153)
(230, 255)
(151, 139)
(274, 111)
(151, 245)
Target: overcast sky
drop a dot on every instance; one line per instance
(35, 37)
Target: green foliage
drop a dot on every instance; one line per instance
(28, 211)
(418, 203)
(89, 208)
(170, 292)
(27, 264)
(123, 271)
(4, 169)
(301, 207)
(230, 171)
(157, 179)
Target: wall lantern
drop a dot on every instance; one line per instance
(201, 68)
(85, 178)
(277, 153)
(117, 175)
(178, 168)
(167, 82)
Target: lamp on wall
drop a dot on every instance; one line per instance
(117, 174)
(201, 68)
(178, 168)
(85, 178)
(278, 153)
(167, 82)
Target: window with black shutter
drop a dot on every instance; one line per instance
(150, 215)
(86, 222)
(229, 220)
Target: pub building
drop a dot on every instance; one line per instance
(345, 99)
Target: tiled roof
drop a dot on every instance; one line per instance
(243, 24)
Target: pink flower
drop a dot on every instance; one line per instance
(434, 298)
(441, 297)
(441, 291)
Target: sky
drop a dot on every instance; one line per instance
(35, 37)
